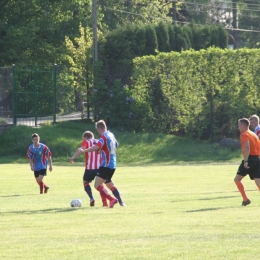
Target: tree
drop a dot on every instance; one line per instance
(79, 58)
(32, 32)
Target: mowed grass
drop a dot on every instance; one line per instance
(172, 212)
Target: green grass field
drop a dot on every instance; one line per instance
(172, 212)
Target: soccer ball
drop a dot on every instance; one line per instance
(75, 203)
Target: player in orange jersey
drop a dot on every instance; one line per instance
(251, 163)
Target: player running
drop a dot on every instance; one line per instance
(92, 164)
(251, 153)
(107, 145)
(39, 155)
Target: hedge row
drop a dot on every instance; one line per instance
(122, 45)
(197, 93)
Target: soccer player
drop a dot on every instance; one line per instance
(107, 144)
(92, 164)
(251, 153)
(254, 123)
(39, 155)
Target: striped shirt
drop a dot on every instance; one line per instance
(93, 159)
(257, 131)
(39, 156)
(108, 144)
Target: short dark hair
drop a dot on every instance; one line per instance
(244, 121)
(35, 135)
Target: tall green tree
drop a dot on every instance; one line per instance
(33, 31)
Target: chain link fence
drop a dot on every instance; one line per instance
(34, 96)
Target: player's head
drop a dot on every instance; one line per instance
(254, 121)
(243, 124)
(101, 126)
(35, 138)
(88, 135)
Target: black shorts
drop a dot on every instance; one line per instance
(105, 173)
(42, 172)
(89, 175)
(254, 167)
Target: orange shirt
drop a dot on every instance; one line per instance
(253, 141)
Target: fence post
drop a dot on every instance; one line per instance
(35, 96)
(54, 92)
(14, 95)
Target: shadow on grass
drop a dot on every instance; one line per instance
(17, 195)
(206, 209)
(42, 211)
(218, 198)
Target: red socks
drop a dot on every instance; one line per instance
(42, 186)
(103, 193)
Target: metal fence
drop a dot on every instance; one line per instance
(33, 96)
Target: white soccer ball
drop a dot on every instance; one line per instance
(75, 203)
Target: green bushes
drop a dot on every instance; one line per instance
(193, 93)
(196, 93)
(120, 46)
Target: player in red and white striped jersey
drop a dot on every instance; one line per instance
(92, 164)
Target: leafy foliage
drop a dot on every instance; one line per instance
(199, 93)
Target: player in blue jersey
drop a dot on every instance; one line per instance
(107, 145)
(39, 155)
(254, 123)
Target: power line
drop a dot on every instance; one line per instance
(167, 19)
(218, 5)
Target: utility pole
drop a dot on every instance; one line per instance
(174, 13)
(130, 5)
(94, 28)
(95, 48)
(235, 22)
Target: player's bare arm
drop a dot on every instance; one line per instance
(75, 155)
(50, 162)
(246, 153)
(31, 164)
(91, 149)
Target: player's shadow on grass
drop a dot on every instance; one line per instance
(206, 209)
(43, 211)
(17, 195)
(218, 198)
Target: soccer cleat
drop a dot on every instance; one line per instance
(244, 203)
(122, 204)
(92, 203)
(46, 189)
(112, 203)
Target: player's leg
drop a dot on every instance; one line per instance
(99, 181)
(256, 174)
(241, 173)
(257, 182)
(39, 175)
(88, 177)
(109, 183)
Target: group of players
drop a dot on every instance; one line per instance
(250, 146)
(100, 163)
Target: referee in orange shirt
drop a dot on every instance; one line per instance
(251, 164)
